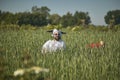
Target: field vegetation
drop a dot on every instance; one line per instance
(20, 48)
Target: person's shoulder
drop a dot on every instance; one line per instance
(48, 41)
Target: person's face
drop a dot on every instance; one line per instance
(57, 36)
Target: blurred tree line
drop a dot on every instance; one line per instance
(42, 17)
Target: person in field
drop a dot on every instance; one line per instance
(56, 44)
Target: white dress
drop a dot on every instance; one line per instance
(53, 45)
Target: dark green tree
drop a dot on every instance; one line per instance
(7, 18)
(67, 20)
(42, 10)
(82, 18)
(38, 19)
(54, 19)
(112, 18)
(24, 18)
(42, 13)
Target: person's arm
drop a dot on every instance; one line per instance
(64, 45)
(45, 47)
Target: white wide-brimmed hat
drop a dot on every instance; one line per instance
(56, 31)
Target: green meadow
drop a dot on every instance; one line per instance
(21, 49)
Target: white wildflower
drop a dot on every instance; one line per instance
(19, 72)
(101, 42)
(39, 69)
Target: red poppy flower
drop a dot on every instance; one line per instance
(96, 45)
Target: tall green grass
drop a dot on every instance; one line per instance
(77, 62)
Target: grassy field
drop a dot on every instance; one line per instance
(77, 62)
